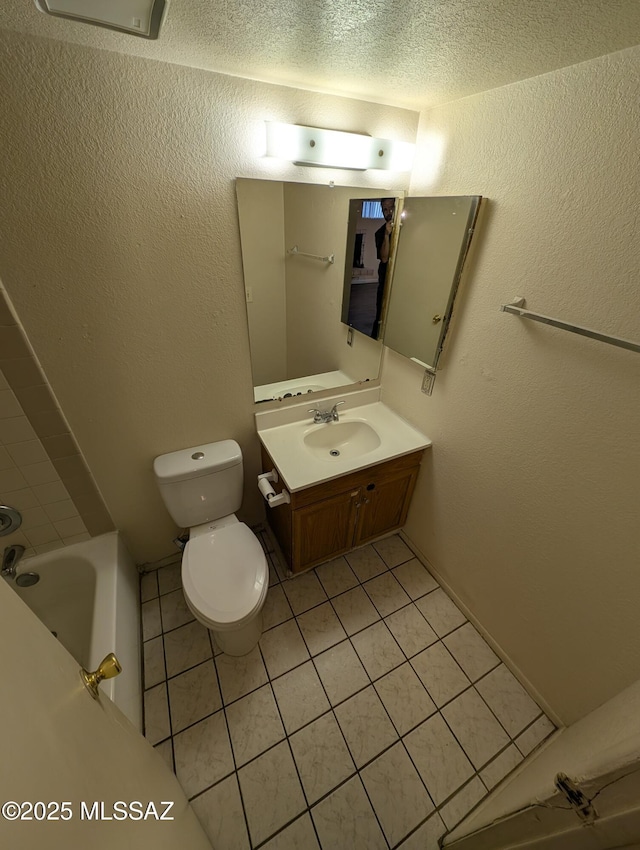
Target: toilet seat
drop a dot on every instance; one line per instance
(225, 576)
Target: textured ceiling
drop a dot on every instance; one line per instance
(412, 53)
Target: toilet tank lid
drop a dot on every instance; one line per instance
(197, 461)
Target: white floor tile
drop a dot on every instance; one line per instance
(149, 586)
(169, 578)
(165, 749)
(439, 758)
(405, 698)
(377, 650)
(396, 792)
(304, 665)
(355, 610)
(283, 648)
(341, 672)
(271, 792)
(300, 696)
(496, 770)
(254, 724)
(345, 819)
(219, 810)
(440, 673)
(411, 630)
(151, 623)
(322, 757)
(154, 669)
(365, 725)
(441, 613)
(465, 800)
(321, 628)
(415, 578)
(276, 608)
(475, 727)
(471, 651)
(534, 735)
(393, 550)
(156, 714)
(193, 695)
(304, 592)
(185, 647)
(175, 611)
(300, 835)
(427, 836)
(240, 675)
(203, 754)
(386, 593)
(336, 576)
(508, 700)
(366, 563)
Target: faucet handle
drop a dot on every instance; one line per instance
(338, 403)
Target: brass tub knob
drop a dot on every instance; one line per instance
(108, 668)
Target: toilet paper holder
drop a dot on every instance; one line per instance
(272, 498)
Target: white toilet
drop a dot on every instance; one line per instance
(225, 575)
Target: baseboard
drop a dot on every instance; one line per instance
(499, 651)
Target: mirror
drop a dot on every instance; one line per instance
(371, 241)
(433, 242)
(293, 253)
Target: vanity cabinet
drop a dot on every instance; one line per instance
(329, 519)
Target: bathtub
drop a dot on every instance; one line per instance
(89, 597)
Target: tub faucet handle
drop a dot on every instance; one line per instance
(10, 558)
(108, 668)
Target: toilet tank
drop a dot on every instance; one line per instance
(202, 483)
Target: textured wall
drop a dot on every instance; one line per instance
(120, 249)
(528, 503)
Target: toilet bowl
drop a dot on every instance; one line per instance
(225, 575)
(225, 578)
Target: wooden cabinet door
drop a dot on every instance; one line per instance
(324, 529)
(385, 504)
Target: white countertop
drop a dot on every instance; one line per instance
(302, 468)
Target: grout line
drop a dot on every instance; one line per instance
(295, 764)
(226, 722)
(331, 709)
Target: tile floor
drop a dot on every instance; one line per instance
(371, 715)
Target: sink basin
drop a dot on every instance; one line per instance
(335, 440)
(367, 433)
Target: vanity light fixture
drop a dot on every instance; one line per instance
(136, 17)
(336, 149)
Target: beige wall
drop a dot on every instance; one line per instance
(121, 250)
(527, 505)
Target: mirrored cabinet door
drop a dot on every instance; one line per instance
(433, 242)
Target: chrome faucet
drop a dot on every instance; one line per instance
(10, 558)
(326, 415)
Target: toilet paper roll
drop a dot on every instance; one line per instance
(266, 489)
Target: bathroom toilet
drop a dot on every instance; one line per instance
(225, 576)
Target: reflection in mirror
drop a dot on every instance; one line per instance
(433, 242)
(294, 298)
(370, 241)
